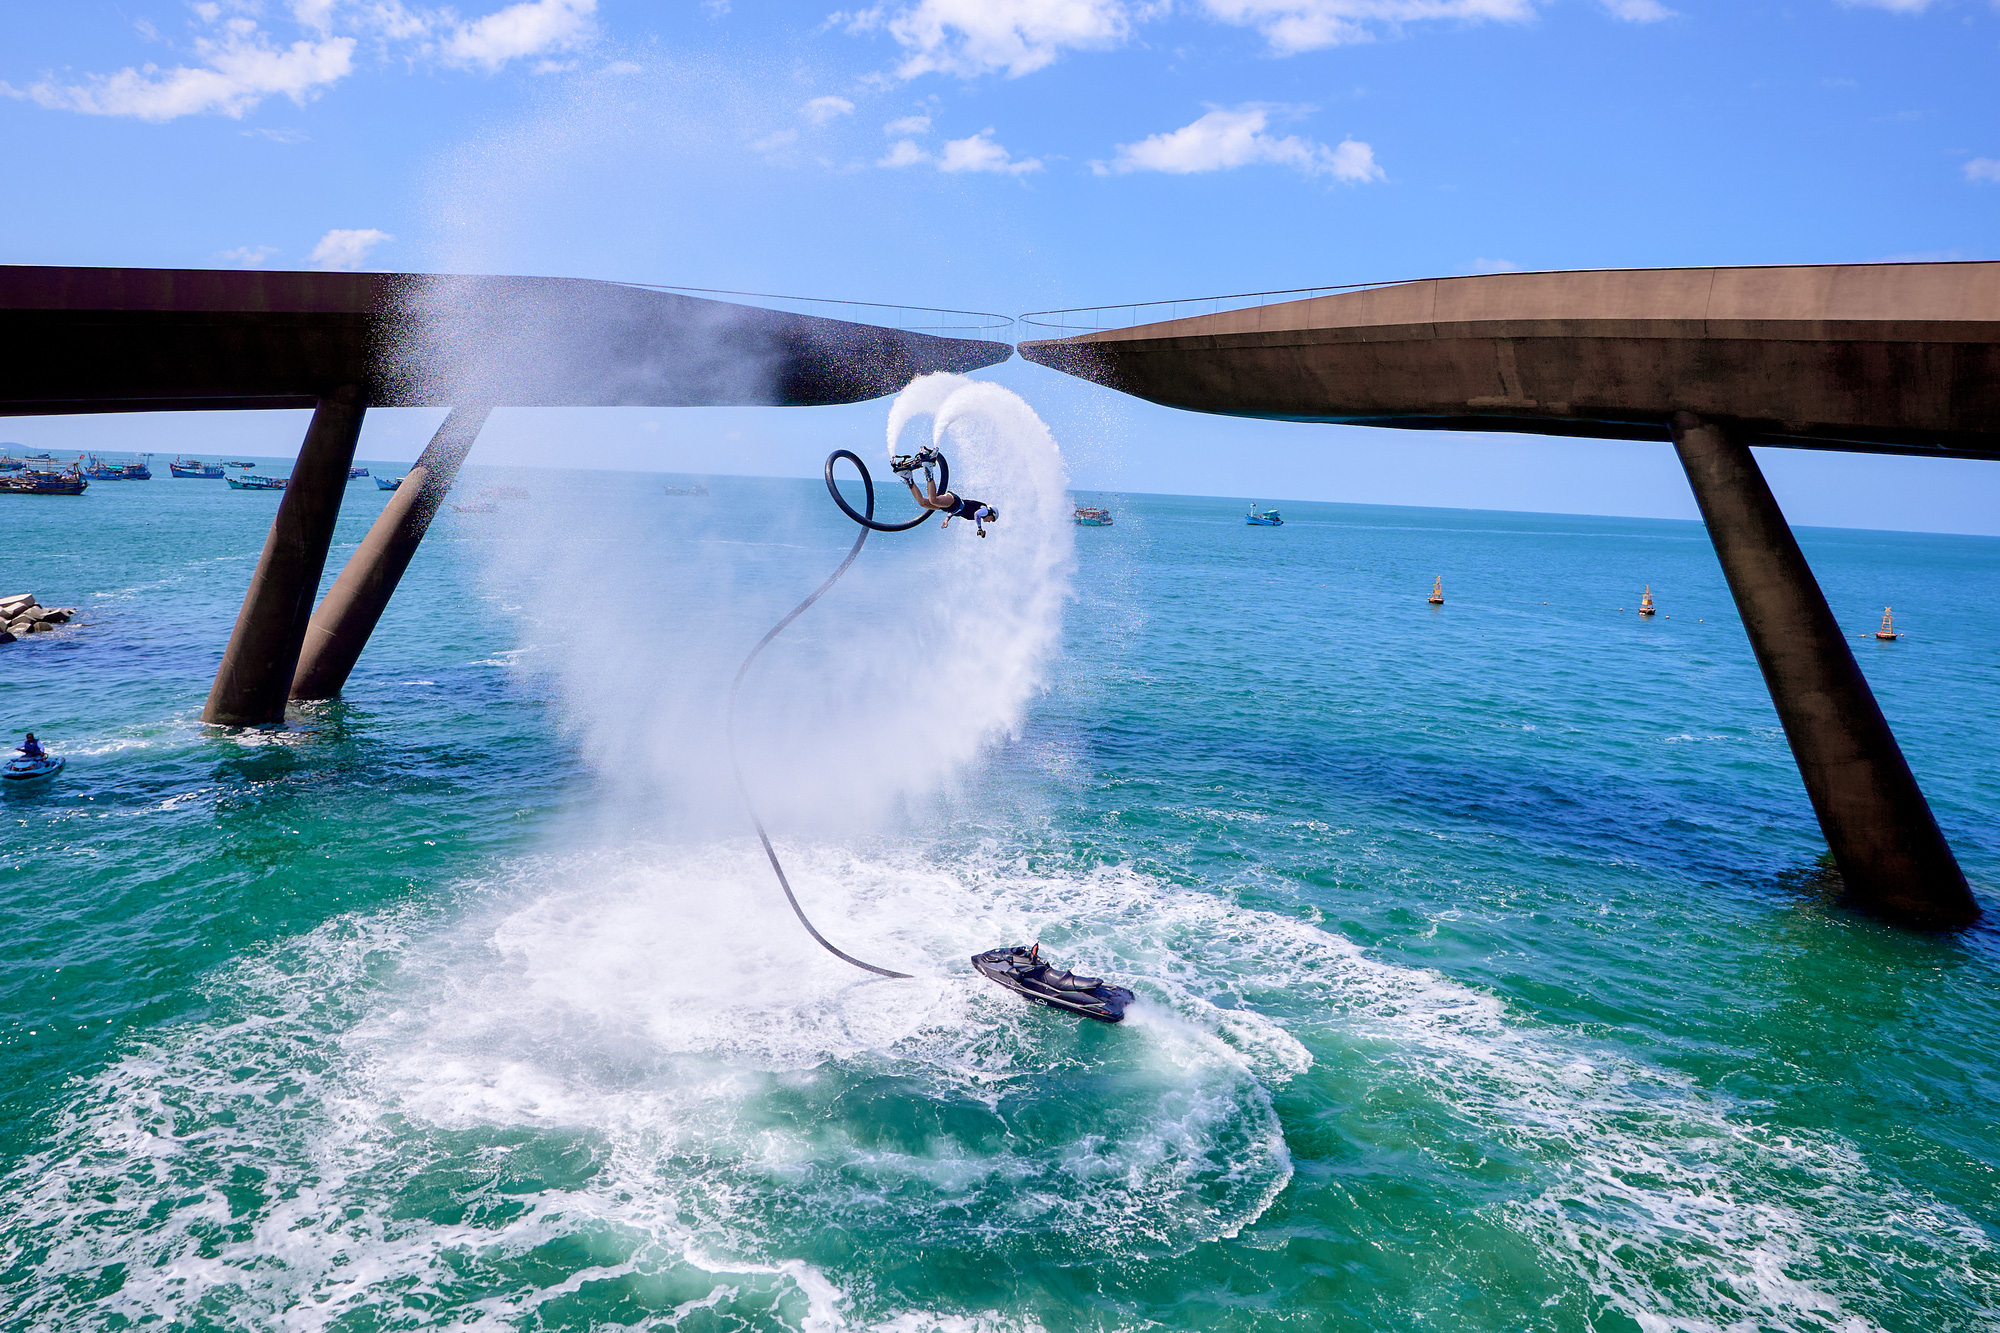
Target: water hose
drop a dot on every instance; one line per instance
(868, 524)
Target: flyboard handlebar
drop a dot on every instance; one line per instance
(868, 524)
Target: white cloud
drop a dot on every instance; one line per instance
(1638, 11)
(1495, 266)
(775, 139)
(903, 153)
(250, 256)
(238, 64)
(1894, 6)
(973, 37)
(980, 153)
(1983, 169)
(822, 109)
(525, 29)
(908, 125)
(346, 250)
(1291, 26)
(1225, 139)
(241, 69)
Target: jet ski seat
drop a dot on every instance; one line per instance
(1070, 981)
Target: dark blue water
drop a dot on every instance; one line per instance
(1488, 977)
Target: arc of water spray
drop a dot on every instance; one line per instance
(868, 524)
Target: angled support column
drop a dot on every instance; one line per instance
(256, 672)
(1891, 855)
(340, 628)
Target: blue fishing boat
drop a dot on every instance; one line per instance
(1089, 516)
(388, 483)
(250, 481)
(193, 468)
(94, 468)
(356, 472)
(137, 471)
(1264, 518)
(9, 463)
(237, 462)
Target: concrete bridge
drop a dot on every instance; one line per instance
(1880, 358)
(154, 340)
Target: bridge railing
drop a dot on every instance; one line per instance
(909, 318)
(1099, 318)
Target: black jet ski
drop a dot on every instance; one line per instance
(1022, 971)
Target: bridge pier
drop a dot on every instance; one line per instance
(340, 629)
(256, 672)
(1892, 858)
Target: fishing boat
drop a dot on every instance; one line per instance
(1888, 630)
(195, 469)
(1264, 518)
(1089, 516)
(1437, 592)
(137, 471)
(8, 463)
(250, 481)
(1646, 601)
(388, 483)
(356, 473)
(40, 458)
(94, 468)
(237, 462)
(23, 769)
(45, 483)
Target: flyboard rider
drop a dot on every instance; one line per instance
(950, 505)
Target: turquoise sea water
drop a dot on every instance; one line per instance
(1487, 979)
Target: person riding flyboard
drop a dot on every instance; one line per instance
(950, 505)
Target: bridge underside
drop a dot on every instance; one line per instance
(76, 340)
(1879, 358)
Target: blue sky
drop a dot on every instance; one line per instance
(1012, 155)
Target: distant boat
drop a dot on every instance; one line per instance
(354, 473)
(40, 458)
(1646, 601)
(236, 462)
(512, 492)
(696, 489)
(45, 483)
(94, 468)
(136, 472)
(1088, 516)
(388, 483)
(10, 464)
(1437, 592)
(250, 481)
(194, 468)
(1888, 630)
(1264, 518)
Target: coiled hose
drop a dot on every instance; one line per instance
(868, 524)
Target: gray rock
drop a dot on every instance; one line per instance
(40, 627)
(19, 626)
(53, 615)
(6, 636)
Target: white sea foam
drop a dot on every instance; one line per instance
(613, 1067)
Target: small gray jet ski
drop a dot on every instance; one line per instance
(1022, 971)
